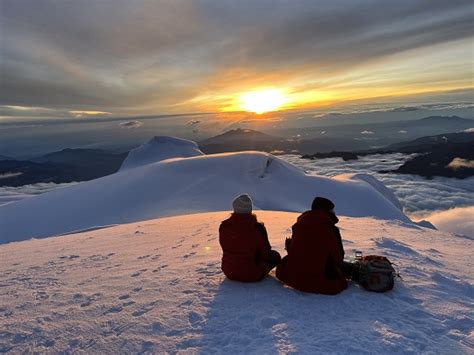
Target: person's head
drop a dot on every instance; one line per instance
(323, 204)
(242, 204)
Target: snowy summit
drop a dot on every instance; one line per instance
(160, 148)
(156, 181)
(155, 285)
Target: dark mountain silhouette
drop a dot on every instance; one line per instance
(67, 165)
(248, 139)
(83, 157)
(242, 139)
(449, 160)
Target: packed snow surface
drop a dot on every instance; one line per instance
(190, 185)
(156, 287)
(160, 148)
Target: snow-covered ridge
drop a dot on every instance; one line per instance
(157, 287)
(160, 148)
(177, 186)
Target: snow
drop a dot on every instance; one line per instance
(160, 148)
(156, 286)
(182, 186)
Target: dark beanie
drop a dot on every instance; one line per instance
(321, 203)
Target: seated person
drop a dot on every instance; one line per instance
(247, 254)
(315, 252)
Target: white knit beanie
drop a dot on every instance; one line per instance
(242, 204)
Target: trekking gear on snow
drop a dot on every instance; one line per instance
(373, 272)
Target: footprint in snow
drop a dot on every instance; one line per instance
(186, 303)
(69, 257)
(189, 255)
(98, 257)
(85, 300)
(160, 268)
(124, 297)
(138, 273)
(174, 282)
(114, 309)
(195, 318)
(143, 257)
(144, 309)
(113, 328)
(41, 295)
(156, 327)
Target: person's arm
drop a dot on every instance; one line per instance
(334, 245)
(263, 244)
(263, 231)
(339, 240)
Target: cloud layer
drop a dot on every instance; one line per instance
(456, 220)
(420, 197)
(125, 56)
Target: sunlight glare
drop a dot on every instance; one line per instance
(262, 101)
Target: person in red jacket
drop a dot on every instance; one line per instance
(247, 254)
(315, 252)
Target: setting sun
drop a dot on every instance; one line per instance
(263, 100)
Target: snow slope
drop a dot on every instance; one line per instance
(160, 148)
(156, 286)
(189, 185)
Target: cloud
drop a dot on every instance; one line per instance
(79, 113)
(419, 197)
(402, 131)
(405, 109)
(366, 132)
(9, 175)
(74, 55)
(130, 124)
(458, 163)
(456, 220)
(469, 130)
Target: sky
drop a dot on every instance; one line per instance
(89, 58)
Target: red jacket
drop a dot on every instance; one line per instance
(244, 248)
(315, 251)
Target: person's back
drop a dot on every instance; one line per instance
(247, 254)
(314, 255)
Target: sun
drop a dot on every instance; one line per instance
(262, 101)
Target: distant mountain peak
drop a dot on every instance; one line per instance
(445, 118)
